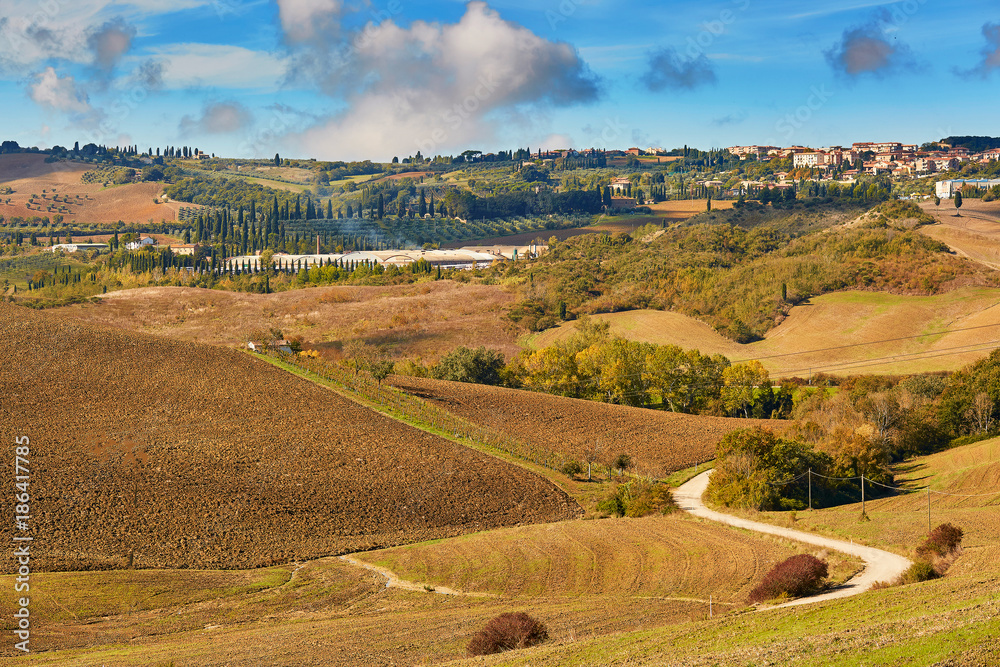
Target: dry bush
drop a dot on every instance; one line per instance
(943, 541)
(507, 632)
(800, 575)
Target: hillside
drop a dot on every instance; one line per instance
(426, 320)
(660, 557)
(834, 321)
(174, 454)
(659, 442)
(46, 189)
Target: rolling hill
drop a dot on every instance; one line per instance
(149, 452)
(49, 188)
(853, 323)
(658, 442)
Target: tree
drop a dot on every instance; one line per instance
(741, 384)
(479, 366)
(381, 369)
(277, 160)
(958, 202)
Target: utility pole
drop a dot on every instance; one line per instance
(810, 488)
(928, 510)
(863, 513)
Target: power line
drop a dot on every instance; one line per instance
(874, 342)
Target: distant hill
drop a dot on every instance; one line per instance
(161, 453)
(974, 144)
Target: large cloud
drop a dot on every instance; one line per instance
(667, 70)
(869, 49)
(60, 93)
(218, 118)
(431, 87)
(991, 53)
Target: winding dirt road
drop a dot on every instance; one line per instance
(879, 565)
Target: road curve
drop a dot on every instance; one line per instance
(879, 565)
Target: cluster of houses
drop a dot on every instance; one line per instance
(890, 157)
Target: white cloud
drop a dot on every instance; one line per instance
(60, 93)
(304, 20)
(218, 65)
(435, 87)
(218, 118)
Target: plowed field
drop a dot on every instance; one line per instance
(174, 454)
(658, 442)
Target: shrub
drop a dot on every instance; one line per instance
(943, 540)
(571, 468)
(507, 632)
(638, 498)
(795, 577)
(922, 570)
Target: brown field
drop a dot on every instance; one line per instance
(174, 454)
(659, 442)
(974, 234)
(415, 175)
(29, 175)
(424, 320)
(800, 345)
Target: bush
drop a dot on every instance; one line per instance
(571, 468)
(922, 570)
(943, 541)
(507, 632)
(638, 498)
(795, 577)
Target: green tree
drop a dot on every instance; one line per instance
(277, 160)
(742, 384)
(958, 202)
(480, 366)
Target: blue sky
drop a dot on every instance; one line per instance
(352, 79)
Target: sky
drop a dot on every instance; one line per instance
(374, 79)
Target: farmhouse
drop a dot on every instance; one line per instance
(141, 243)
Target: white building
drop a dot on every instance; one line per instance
(141, 243)
(77, 247)
(947, 189)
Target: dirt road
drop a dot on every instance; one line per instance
(879, 565)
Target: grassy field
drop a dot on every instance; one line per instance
(858, 319)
